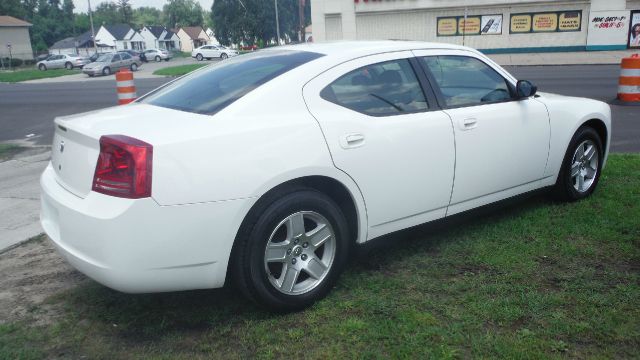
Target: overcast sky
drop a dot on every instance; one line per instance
(81, 5)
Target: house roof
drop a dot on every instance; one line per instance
(168, 35)
(6, 20)
(84, 40)
(193, 31)
(118, 31)
(156, 30)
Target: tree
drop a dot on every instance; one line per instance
(106, 13)
(182, 13)
(147, 16)
(124, 8)
(255, 21)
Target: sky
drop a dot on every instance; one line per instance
(81, 5)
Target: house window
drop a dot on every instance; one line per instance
(125, 45)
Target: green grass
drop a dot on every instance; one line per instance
(8, 150)
(32, 74)
(178, 70)
(536, 279)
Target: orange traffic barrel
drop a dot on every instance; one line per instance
(629, 81)
(125, 87)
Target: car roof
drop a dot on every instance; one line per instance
(358, 48)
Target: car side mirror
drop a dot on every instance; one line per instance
(525, 89)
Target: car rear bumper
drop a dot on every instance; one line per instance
(138, 246)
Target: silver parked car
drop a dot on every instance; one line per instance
(157, 54)
(62, 61)
(109, 63)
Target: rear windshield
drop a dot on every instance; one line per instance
(210, 90)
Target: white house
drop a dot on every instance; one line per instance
(159, 37)
(119, 37)
(14, 34)
(192, 37)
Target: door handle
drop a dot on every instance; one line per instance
(351, 141)
(468, 123)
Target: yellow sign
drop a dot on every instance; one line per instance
(447, 26)
(545, 22)
(570, 21)
(470, 26)
(521, 23)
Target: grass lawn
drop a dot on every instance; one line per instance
(535, 279)
(32, 74)
(8, 150)
(178, 70)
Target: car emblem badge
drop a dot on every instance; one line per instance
(61, 146)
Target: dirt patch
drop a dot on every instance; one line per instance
(31, 273)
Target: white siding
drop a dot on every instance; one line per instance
(333, 26)
(20, 42)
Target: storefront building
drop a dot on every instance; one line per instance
(490, 25)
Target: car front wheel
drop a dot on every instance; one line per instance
(106, 71)
(42, 67)
(581, 166)
(291, 252)
(199, 57)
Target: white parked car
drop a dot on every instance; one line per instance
(213, 51)
(157, 55)
(268, 167)
(62, 62)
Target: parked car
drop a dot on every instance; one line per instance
(185, 187)
(43, 57)
(212, 51)
(158, 54)
(109, 63)
(136, 55)
(62, 62)
(249, 47)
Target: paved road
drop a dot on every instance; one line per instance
(30, 108)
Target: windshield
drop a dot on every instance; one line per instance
(104, 58)
(215, 87)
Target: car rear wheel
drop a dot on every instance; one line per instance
(133, 67)
(291, 251)
(223, 56)
(199, 57)
(68, 66)
(106, 71)
(158, 59)
(581, 166)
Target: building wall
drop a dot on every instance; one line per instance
(150, 40)
(20, 42)
(417, 20)
(186, 44)
(104, 37)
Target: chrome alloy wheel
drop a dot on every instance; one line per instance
(584, 166)
(300, 252)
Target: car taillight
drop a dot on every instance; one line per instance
(124, 167)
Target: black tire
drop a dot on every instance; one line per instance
(158, 59)
(68, 66)
(199, 57)
(565, 187)
(223, 56)
(133, 67)
(90, 75)
(42, 67)
(249, 271)
(106, 71)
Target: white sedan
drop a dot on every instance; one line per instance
(212, 52)
(267, 168)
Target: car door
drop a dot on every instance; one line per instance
(385, 131)
(502, 142)
(57, 62)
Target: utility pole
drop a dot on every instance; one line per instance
(277, 22)
(301, 5)
(93, 32)
(464, 25)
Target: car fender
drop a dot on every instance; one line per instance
(566, 115)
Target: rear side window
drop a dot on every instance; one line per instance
(382, 89)
(211, 89)
(466, 81)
